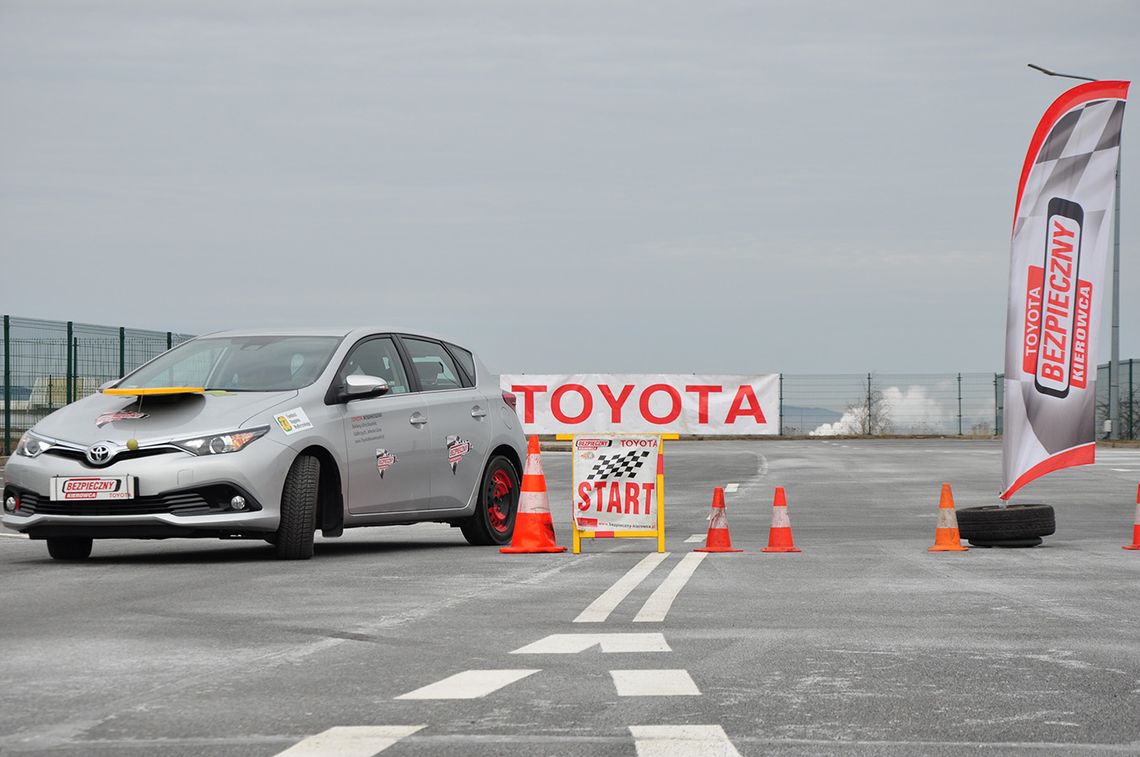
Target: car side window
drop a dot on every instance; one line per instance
(466, 362)
(378, 357)
(434, 367)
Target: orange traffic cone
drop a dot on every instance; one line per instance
(1136, 523)
(718, 539)
(534, 530)
(780, 534)
(946, 538)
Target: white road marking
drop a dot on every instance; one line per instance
(731, 488)
(470, 684)
(696, 539)
(1118, 470)
(682, 741)
(15, 536)
(654, 683)
(611, 643)
(657, 606)
(601, 607)
(351, 741)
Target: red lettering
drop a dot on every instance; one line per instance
(615, 403)
(556, 403)
(614, 505)
(745, 403)
(631, 492)
(1052, 372)
(598, 486)
(528, 393)
(1060, 231)
(673, 413)
(703, 391)
(648, 489)
(584, 493)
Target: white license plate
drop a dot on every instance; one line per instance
(92, 487)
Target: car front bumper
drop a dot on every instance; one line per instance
(176, 494)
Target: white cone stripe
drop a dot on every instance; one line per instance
(947, 518)
(610, 643)
(780, 518)
(682, 741)
(654, 683)
(718, 519)
(1136, 521)
(533, 465)
(534, 502)
(470, 684)
(351, 741)
(657, 606)
(601, 607)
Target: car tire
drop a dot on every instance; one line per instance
(494, 519)
(1011, 526)
(294, 538)
(69, 548)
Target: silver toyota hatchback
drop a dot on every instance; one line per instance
(273, 435)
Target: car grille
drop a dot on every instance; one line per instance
(79, 456)
(206, 501)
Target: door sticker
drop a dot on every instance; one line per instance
(293, 421)
(457, 449)
(384, 461)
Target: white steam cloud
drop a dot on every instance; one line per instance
(912, 411)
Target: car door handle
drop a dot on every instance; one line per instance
(478, 412)
(417, 419)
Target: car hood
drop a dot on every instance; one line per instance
(102, 417)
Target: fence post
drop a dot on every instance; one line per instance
(997, 406)
(70, 360)
(782, 403)
(1131, 402)
(867, 425)
(122, 351)
(959, 404)
(169, 340)
(7, 390)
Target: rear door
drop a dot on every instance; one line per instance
(460, 422)
(388, 438)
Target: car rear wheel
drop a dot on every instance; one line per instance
(294, 538)
(1012, 526)
(494, 518)
(69, 549)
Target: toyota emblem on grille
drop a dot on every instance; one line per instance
(99, 453)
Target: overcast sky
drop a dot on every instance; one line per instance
(580, 186)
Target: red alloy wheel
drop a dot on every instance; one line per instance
(498, 503)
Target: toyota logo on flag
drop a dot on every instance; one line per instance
(99, 453)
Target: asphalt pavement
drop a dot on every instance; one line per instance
(407, 641)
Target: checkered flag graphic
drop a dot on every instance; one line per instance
(624, 465)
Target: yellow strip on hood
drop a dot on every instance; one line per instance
(155, 390)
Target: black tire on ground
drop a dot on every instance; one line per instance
(1035, 542)
(493, 521)
(294, 538)
(69, 548)
(1016, 523)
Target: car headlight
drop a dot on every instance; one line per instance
(33, 445)
(220, 444)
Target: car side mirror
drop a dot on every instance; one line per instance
(357, 387)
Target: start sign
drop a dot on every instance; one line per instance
(618, 485)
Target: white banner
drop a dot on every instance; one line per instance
(1059, 251)
(615, 483)
(596, 403)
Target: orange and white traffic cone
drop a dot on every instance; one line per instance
(1136, 523)
(946, 537)
(718, 538)
(780, 534)
(534, 529)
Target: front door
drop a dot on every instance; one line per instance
(388, 438)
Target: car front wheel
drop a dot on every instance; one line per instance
(494, 517)
(294, 538)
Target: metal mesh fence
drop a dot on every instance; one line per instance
(47, 364)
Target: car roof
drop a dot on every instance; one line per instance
(353, 332)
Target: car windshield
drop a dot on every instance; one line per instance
(239, 364)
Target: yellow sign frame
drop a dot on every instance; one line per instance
(658, 534)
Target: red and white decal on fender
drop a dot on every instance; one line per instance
(457, 449)
(384, 461)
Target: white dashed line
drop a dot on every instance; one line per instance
(654, 683)
(611, 643)
(657, 606)
(470, 684)
(15, 536)
(601, 607)
(696, 539)
(351, 741)
(1118, 470)
(682, 741)
(731, 488)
